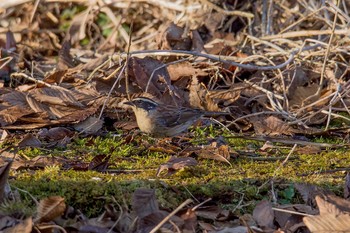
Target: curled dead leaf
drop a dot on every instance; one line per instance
(175, 164)
(50, 208)
(264, 215)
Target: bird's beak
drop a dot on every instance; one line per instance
(129, 103)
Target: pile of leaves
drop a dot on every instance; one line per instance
(279, 68)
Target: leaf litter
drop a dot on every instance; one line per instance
(278, 68)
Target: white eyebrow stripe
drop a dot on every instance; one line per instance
(146, 100)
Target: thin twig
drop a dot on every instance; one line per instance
(222, 59)
(308, 33)
(327, 54)
(113, 86)
(291, 212)
(156, 228)
(279, 167)
(23, 75)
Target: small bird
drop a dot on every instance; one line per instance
(162, 120)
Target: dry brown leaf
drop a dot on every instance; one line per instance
(326, 207)
(238, 229)
(55, 134)
(22, 227)
(295, 77)
(219, 153)
(7, 222)
(144, 202)
(338, 202)
(65, 59)
(264, 215)
(48, 106)
(172, 37)
(210, 100)
(301, 93)
(17, 161)
(162, 149)
(42, 161)
(42, 105)
(308, 149)
(197, 41)
(190, 221)
(309, 193)
(328, 223)
(142, 70)
(55, 77)
(94, 228)
(287, 220)
(272, 126)
(175, 164)
(150, 221)
(50, 208)
(197, 94)
(99, 163)
(76, 31)
(56, 95)
(224, 97)
(13, 106)
(89, 126)
(125, 125)
(184, 69)
(29, 141)
(213, 213)
(125, 223)
(214, 21)
(3, 135)
(347, 186)
(4, 174)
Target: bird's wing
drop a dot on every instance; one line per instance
(171, 119)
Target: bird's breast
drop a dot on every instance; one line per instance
(145, 122)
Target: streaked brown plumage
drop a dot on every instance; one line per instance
(162, 120)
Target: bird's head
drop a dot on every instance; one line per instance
(144, 103)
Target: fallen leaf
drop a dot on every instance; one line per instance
(144, 202)
(183, 69)
(175, 164)
(55, 134)
(239, 229)
(4, 174)
(331, 219)
(347, 186)
(3, 135)
(22, 227)
(89, 126)
(50, 208)
(213, 213)
(309, 193)
(264, 215)
(29, 141)
(76, 31)
(339, 203)
(272, 126)
(219, 153)
(172, 37)
(190, 221)
(99, 163)
(150, 221)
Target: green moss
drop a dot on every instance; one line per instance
(133, 166)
